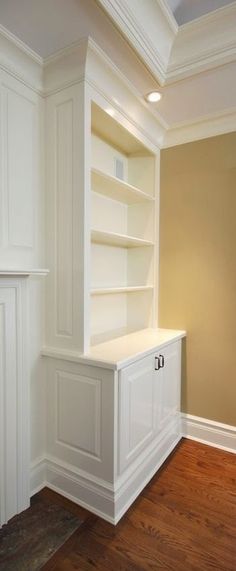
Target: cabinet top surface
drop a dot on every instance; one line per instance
(124, 350)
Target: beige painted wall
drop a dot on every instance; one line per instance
(198, 269)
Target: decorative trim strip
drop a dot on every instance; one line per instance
(209, 432)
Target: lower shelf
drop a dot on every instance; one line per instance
(121, 289)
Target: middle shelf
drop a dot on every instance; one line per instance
(117, 189)
(115, 239)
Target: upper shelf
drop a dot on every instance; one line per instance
(117, 189)
(105, 125)
(113, 239)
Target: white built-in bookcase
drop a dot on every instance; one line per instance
(102, 176)
(123, 230)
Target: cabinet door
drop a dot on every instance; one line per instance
(137, 415)
(168, 379)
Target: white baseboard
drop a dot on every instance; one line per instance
(209, 432)
(38, 475)
(108, 501)
(111, 502)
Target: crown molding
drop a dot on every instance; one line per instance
(167, 12)
(101, 71)
(20, 61)
(86, 61)
(130, 22)
(203, 44)
(207, 126)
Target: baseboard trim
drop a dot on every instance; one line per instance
(38, 472)
(210, 432)
(98, 496)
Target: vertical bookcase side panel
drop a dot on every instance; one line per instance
(156, 238)
(83, 209)
(67, 218)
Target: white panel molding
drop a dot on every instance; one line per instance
(21, 174)
(203, 44)
(205, 127)
(87, 386)
(14, 387)
(20, 115)
(209, 432)
(64, 118)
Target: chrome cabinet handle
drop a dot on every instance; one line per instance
(157, 364)
(162, 361)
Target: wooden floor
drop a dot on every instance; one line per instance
(185, 520)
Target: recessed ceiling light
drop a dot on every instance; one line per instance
(153, 97)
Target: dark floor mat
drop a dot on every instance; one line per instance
(30, 539)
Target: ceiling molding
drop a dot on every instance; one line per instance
(155, 57)
(209, 59)
(20, 61)
(203, 44)
(167, 12)
(208, 126)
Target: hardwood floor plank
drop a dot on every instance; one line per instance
(184, 520)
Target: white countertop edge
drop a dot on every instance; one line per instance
(95, 361)
(26, 272)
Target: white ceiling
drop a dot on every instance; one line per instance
(187, 10)
(49, 25)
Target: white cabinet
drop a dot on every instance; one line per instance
(123, 419)
(137, 406)
(168, 379)
(149, 400)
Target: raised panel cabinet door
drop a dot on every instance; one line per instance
(136, 409)
(169, 379)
